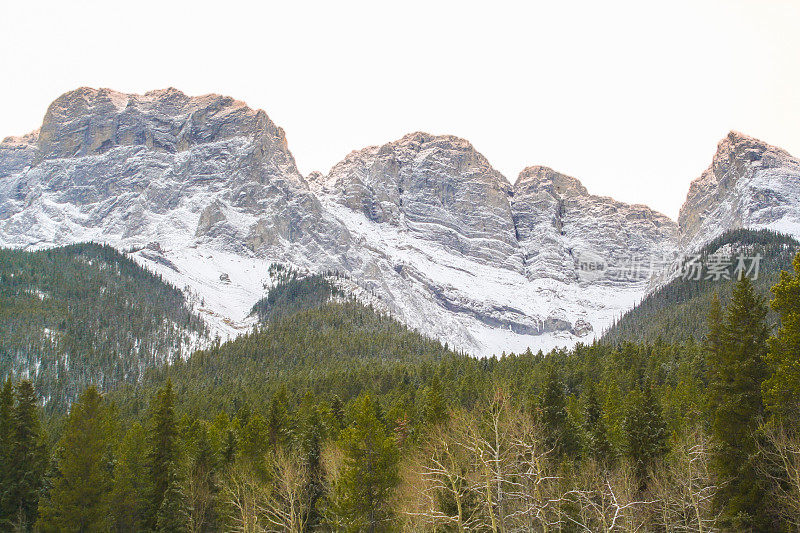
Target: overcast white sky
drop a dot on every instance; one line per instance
(629, 97)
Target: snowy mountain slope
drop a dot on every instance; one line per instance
(204, 191)
(432, 209)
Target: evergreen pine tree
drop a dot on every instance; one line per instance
(79, 497)
(781, 391)
(6, 440)
(229, 449)
(337, 410)
(28, 459)
(645, 431)
(369, 476)
(435, 408)
(276, 421)
(736, 348)
(163, 449)
(560, 435)
(131, 492)
(598, 446)
(311, 448)
(172, 516)
(205, 485)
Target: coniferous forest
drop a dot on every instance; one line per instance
(332, 417)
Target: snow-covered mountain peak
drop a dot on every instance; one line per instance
(748, 184)
(206, 192)
(430, 185)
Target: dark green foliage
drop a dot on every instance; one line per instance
(645, 431)
(6, 440)
(85, 314)
(229, 451)
(312, 436)
(337, 349)
(560, 434)
(670, 313)
(27, 461)
(597, 444)
(205, 487)
(361, 495)
(435, 408)
(163, 453)
(172, 516)
(736, 368)
(293, 293)
(277, 420)
(782, 389)
(79, 496)
(129, 499)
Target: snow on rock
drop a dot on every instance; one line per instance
(561, 228)
(749, 184)
(204, 191)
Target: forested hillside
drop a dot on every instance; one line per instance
(293, 292)
(671, 312)
(339, 349)
(336, 418)
(85, 314)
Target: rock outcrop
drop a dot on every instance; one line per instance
(438, 188)
(749, 184)
(157, 167)
(571, 235)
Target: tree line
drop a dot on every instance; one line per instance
(338, 419)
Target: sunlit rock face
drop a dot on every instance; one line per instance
(204, 191)
(749, 184)
(437, 187)
(565, 232)
(157, 167)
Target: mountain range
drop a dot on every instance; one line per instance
(205, 192)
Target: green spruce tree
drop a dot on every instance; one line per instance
(172, 516)
(597, 444)
(205, 485)
(28, 459)
(645, 431)
(79, 497)
(781, 391)
(435, 407)
(6, 442)
(362, 492)
(131, 492)
(560, 434)
(277, 420)
(163, 449)
(736, 347)
(311, 439)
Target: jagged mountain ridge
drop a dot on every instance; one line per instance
(207, 193)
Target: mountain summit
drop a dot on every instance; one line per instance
(204, 191)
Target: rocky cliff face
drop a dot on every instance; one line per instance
(205, 191)
(437, 188)
(749, 184)
(572, 235)
(156, 167)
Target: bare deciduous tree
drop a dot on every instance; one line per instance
(781, 450)
(684, 486)
(244, 497)
(286, 507)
